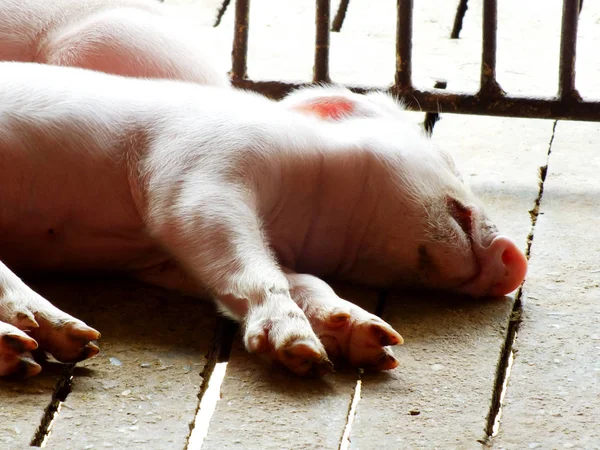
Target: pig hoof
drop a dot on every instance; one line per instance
(67, 342)
(34, 320)
(286, 337)
(15, 353)
(358, 337)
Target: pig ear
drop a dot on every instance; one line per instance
(327, 108)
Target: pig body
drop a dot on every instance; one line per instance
(224, 192)
(138, 38)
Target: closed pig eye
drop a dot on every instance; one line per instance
(463, 215)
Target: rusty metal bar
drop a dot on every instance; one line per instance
(490, 100)
(239, 53)
(321, 67)
(338, 20)
(461, 10)
(221, 12)
(568, 47)
(404, 44)
(489, 85)
(450, 102)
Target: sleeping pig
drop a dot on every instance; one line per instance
(138, 38)
(225, 193)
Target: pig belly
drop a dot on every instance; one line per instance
(63, 209)
(72, 247)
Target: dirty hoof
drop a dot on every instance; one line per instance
(349, 333)
(67, 342)
(29, 321)
(283, 335)
(15, 353)
(355, 336)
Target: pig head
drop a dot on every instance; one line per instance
(393, 210)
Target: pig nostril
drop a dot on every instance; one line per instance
(508, 257)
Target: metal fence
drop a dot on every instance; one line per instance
(489, 100)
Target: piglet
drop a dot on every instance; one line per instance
(137, 38)
(227, 193)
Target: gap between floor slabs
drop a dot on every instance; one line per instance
(59, 396)
(213, 376)
(507, 355)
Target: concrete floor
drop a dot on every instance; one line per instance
(159, 349)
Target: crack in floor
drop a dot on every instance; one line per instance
(508, 352)
(213, 376)
(59, 396)
(345, 441)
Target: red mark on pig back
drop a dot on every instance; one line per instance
(329, 108)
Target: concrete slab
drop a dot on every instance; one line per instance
(142, 390)
(440, 396)
(364, 51)
(528, 44)
(22, 407)
(553, 396)
(588, 64)
(203, 12)
(264, 409)
(217, 40)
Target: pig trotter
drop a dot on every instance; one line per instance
(349, 333)
(15, 353)
(28, 323)
(287, 338)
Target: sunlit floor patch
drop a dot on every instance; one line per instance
(207, 407)
(511, 360)
(345, 444)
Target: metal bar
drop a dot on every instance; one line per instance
(489, 85)
(568, 47)
(221, 12)
(321, 67)
(338, 20)
(404, 44)
(453, 102)
(239, 53)
(461, 10)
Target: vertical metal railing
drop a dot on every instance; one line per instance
(488, 84)
(568, 51)
(403, 78)
(321, 67)
(490, 98)
(239, 53)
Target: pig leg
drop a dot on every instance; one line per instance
(216, 236)
(347, 331)
(27, 319)
(133, 43)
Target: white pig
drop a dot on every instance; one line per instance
(224, 192)
(138, 38)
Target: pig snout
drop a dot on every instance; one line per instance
(502, 268)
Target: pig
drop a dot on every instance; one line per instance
(137, 38)
(226, 193)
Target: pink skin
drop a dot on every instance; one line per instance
(353, 193)
(137, 38)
